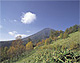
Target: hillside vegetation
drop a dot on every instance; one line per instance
(59, 47)
(62, 50)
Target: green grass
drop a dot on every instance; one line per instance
(50, 54)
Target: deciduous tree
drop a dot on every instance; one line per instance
(29, 45)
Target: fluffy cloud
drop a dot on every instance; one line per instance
(22, 35)
(28, 18)
(15, 34)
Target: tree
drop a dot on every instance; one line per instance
(51, 34)
(3, 53)
(29, 45)
(22, 49)
(61, 31)
(48, 41)
(67, 30)
(16, 48)
(39, 43)
(65, 35)
(75, 28)
(70, 30)
(79, 28)
(11, 52)
(56, 33)
(61, 35)
(43, 40)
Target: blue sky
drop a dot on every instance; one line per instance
(28, 17)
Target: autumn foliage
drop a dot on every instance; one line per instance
(29, 45)
(16, 48)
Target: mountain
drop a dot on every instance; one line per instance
(43, 34)
(5, 43)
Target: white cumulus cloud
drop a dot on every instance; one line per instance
(13, 33)
(28, 18)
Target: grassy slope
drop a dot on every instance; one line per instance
(74, 37)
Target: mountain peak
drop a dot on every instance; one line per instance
(47, 28)
(43, 34)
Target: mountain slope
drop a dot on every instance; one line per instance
(47, 54)
(43, 34)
